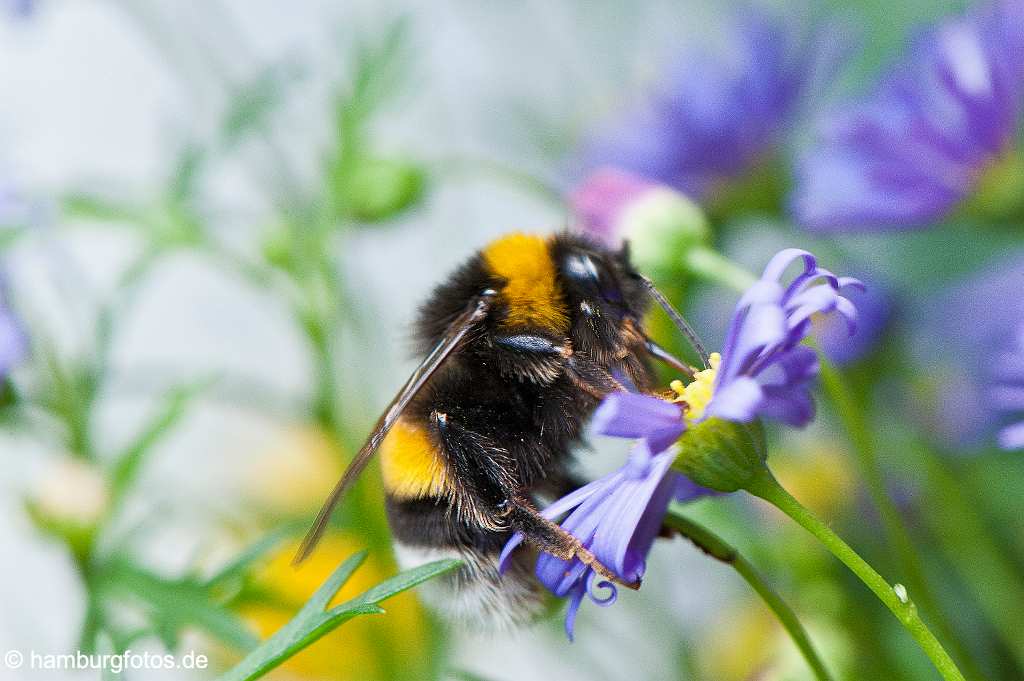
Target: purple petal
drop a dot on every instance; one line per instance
(777, 266)
(737, 401)
(13, 343)
(506, 553)
(1012, 437)
(632, 415)
(1007, 397)
(763, 326)
(632, 519)
(792, 406)
(914, 148)
(575, 598)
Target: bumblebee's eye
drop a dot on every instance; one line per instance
(593, 277)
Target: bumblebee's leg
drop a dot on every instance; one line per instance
(489, 494)
(550, 537)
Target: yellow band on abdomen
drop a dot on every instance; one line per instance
(410, 463)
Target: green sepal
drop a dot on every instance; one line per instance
(721, 455)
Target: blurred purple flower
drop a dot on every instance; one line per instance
(874, 305)
(715, 114)
(916, 147)
(19, 8)
(604, 197)
(1007, 394)
(762, 372)
(13, 344)
(765, 371)
(13, 341)
(617, 517)
(963, 345)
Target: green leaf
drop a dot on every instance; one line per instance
(464, 675)
(130, 461)
(379, 68)
(311, 623)
(254, 102)
(93, 207)
(318, 601)
(186, 174)
(176, 603)
(399, 583)
(243, 561)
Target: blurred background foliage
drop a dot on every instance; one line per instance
(218, 219)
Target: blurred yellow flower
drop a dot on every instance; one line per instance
(749, 643)
(296, 473)
(818, 474)
(362, 649)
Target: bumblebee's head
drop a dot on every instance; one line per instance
(555, 297)
(604, 296)
(563, 288)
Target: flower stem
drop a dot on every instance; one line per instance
(851, 415)
(765, 486)
(709, 264)
(990, 576)
(718, 548)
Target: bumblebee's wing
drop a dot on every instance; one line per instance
(457, 330)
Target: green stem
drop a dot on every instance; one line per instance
(967, 541)
(765, 486)
(719, 549)
(709, 264)
(851, 415)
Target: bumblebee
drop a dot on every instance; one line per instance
(519, 346)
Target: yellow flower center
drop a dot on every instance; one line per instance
(696, 394)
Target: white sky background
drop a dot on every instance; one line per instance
(88, 101)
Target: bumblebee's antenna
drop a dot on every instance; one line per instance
(678, 320)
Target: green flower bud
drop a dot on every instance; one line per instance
(721, 455)
(659, 222)
(379, 189)
(69, 501)
(660, 225)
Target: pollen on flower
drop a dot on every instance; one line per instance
(698, 393)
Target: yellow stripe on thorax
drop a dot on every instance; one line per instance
(410, 463)
(531, 291)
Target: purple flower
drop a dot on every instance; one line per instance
(13, 341)
(764, 370)
(963, 345)
(715, 114)
(1007, 394)
(913, 149)
(874, 305)
(13, 344)
(618, 516)
(20, 8)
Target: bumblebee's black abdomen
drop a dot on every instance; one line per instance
(429, 522)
